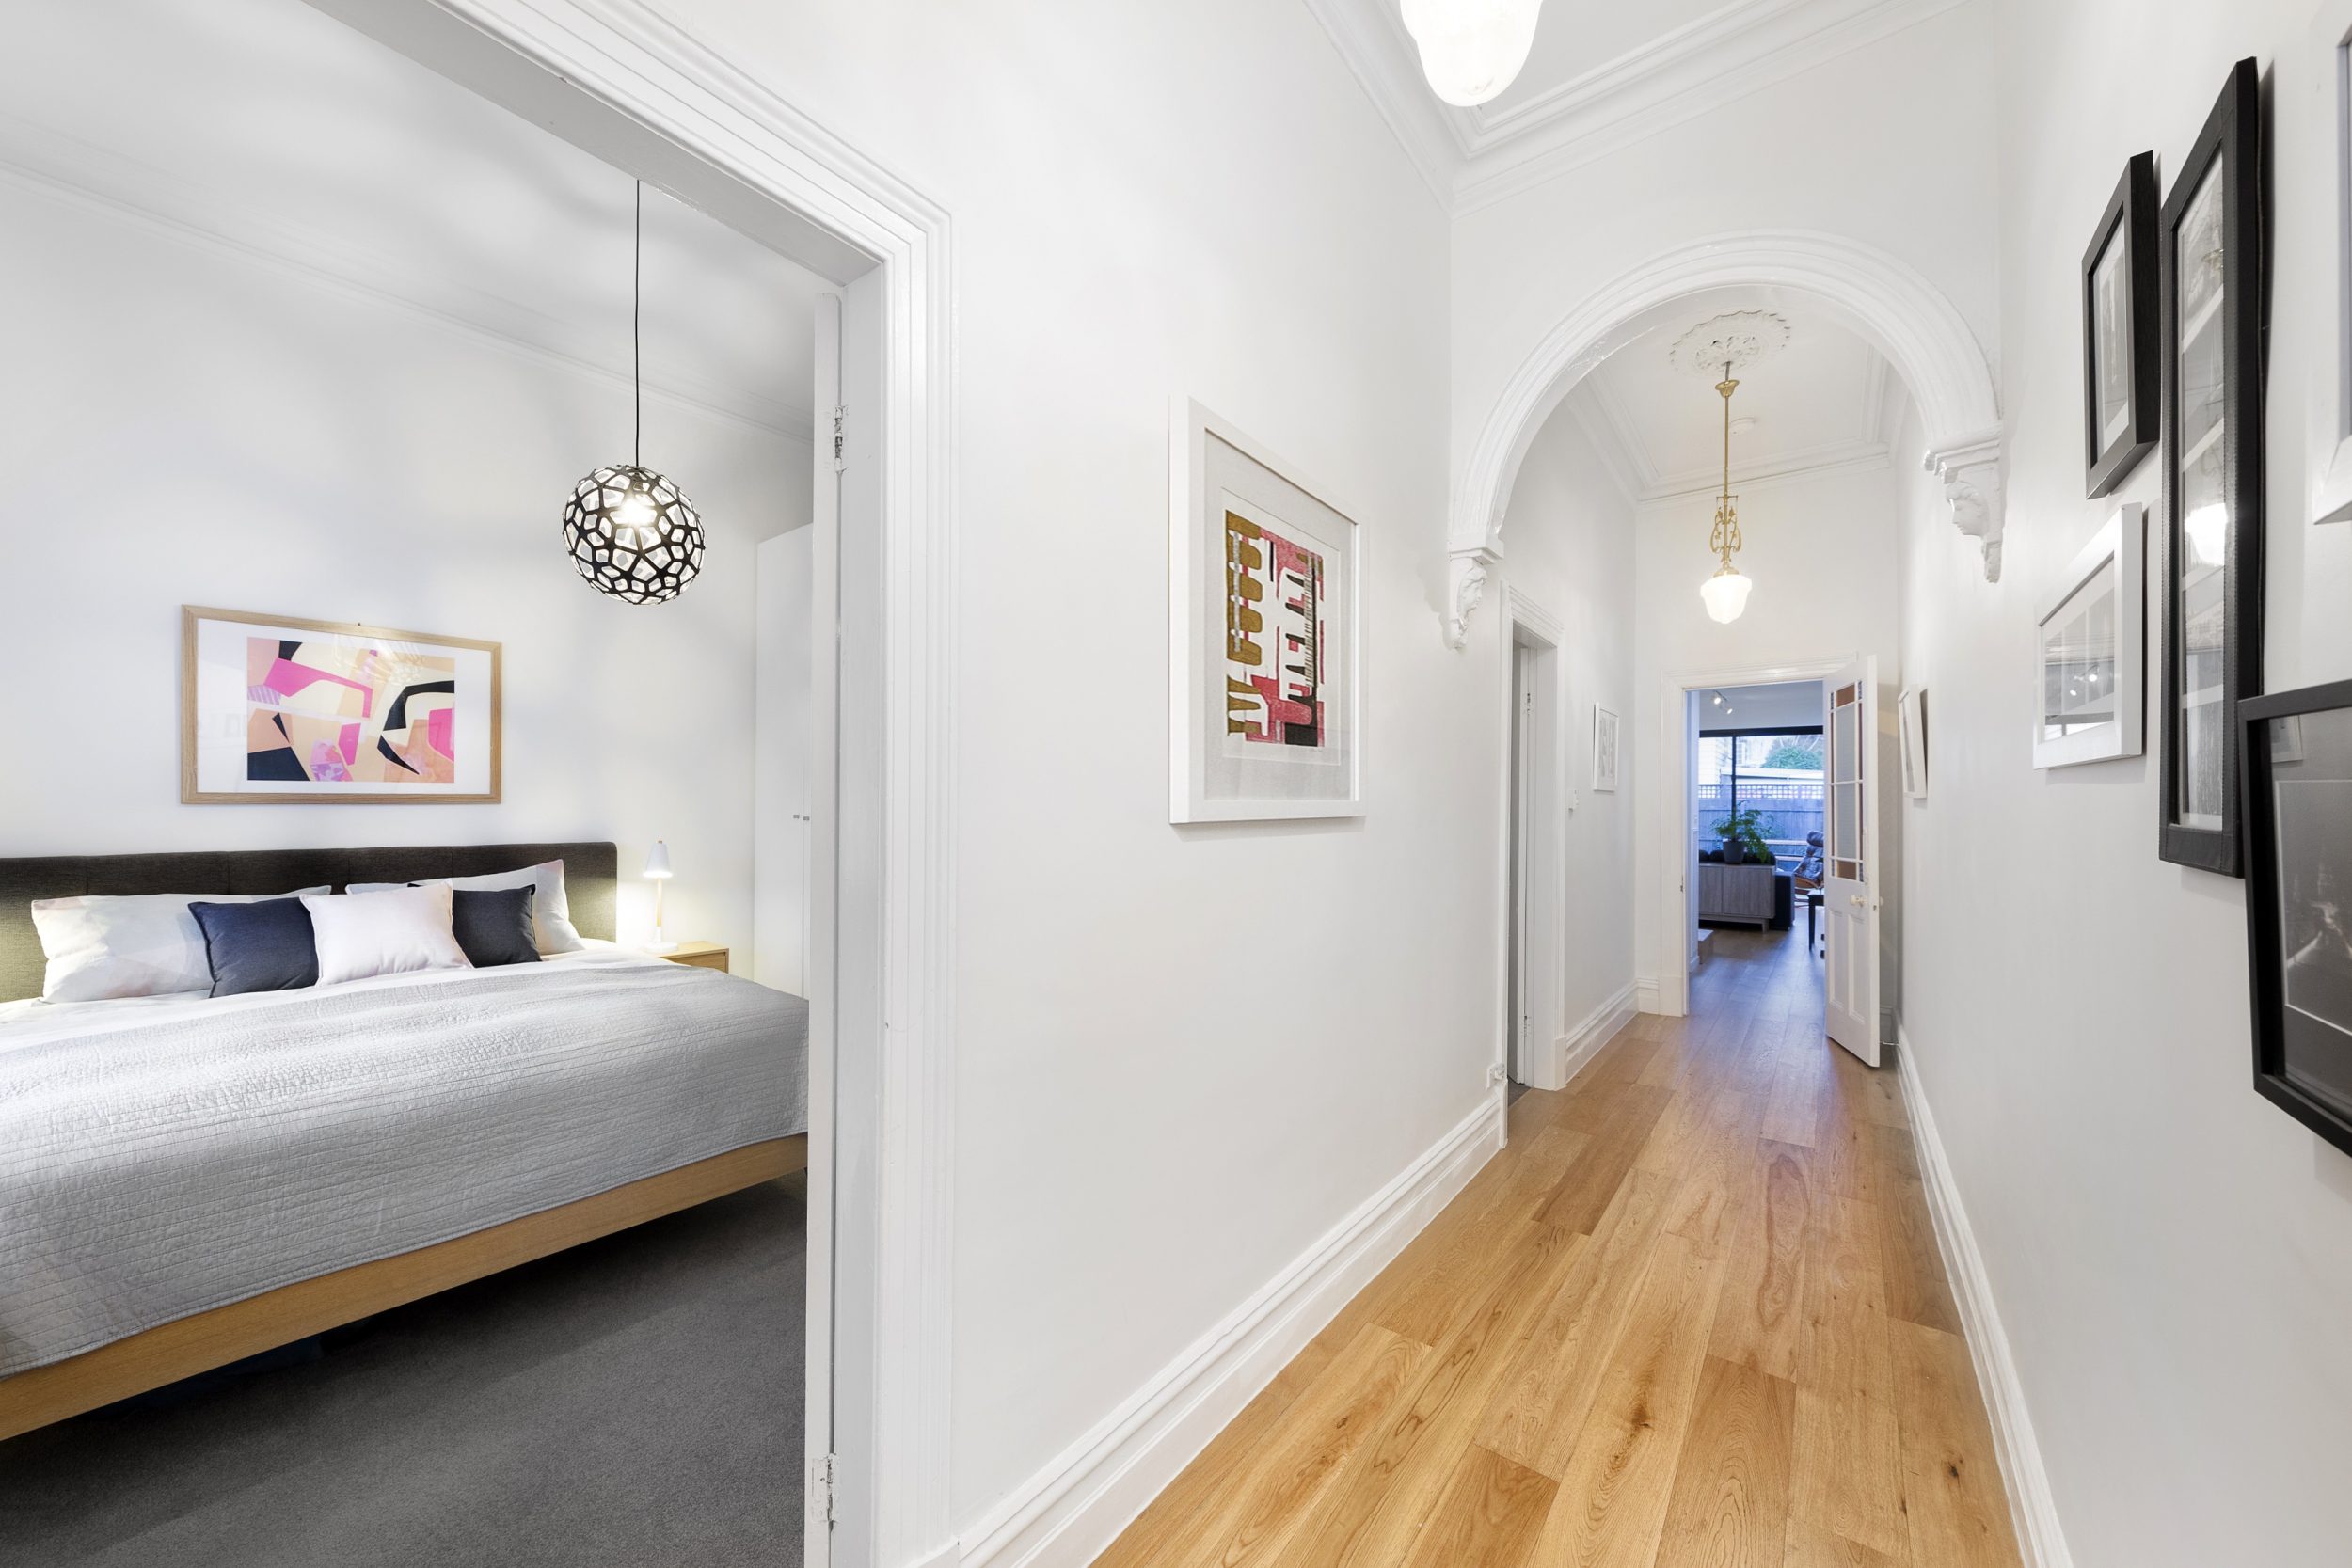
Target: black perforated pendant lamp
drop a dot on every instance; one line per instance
(632, 532)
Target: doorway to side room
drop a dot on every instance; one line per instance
(1534, 865)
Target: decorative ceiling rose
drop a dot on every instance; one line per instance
(1726, 593)
(1471, 50)
(1731, 341)
(632, 532)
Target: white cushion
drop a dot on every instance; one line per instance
(100, 947)
(550, 911)
(393, 932)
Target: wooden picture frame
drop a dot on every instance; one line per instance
(2213, 358)
(218, 710)
(2297, 752)
(2090, 647)
(1278, 734)
(2122, 384)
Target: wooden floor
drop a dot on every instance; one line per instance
(1692, 1315)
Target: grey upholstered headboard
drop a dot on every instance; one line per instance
(590, 871)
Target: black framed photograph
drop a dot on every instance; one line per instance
(2298, 746)
(2122, 384)
(2210, 284)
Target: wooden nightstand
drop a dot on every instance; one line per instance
(701, 955)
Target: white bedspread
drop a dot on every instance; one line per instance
(164, 1157)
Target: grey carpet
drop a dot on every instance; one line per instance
(632, 1402)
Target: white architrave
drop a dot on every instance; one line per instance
(1897, 310)
(679, 110)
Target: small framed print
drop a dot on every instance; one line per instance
(2211, 284)
(275, 710)
(1911, 719)
(2298, 752)
(2121, 380)
(1266, 596)
(2090, 668)
(1604, 748)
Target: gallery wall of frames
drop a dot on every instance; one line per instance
(2251, 785)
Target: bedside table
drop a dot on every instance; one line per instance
(700, 954)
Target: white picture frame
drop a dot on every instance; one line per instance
(1911, 721)
(1606, 736)
(1227, 764)
(2089, 669)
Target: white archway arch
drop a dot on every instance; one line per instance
(1884, 299)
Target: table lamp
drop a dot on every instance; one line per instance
(658, 872)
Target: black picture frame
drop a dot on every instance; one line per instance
(2129, 221)
(2277, 914)
(2199, 807)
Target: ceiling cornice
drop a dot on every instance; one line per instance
(1831, 457)
(1475, 157)
(48, 163)
(1607, 442)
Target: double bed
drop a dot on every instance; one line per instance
(186, 1181)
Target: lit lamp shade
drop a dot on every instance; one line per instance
(634, 534)
(1727, 596)
(657, 862)
(1471, 50)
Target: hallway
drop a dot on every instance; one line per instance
(1692, 1314)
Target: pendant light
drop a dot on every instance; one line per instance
(632, 532)
(1726, 592)
(1471, 50)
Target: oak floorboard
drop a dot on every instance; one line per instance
(1739, 1352)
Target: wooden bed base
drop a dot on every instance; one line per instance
(199, 1343)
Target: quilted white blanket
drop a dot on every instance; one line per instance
(161, 1159)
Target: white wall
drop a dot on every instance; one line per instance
(2171, 1256)
(1821, 550)
(188, 427)
(1161, 1105)
(1572, 553)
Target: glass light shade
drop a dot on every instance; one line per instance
(634, 534)
(1727, 596)
(658, 861)
(1471, 50)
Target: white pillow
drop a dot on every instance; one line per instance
(101, 947)
(393, 932)
(551, 913)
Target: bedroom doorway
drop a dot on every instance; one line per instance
(655, 105)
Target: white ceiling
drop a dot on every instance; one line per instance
(273, 131)
(1602, 74)
(1826, 400)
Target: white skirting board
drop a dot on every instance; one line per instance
(1645, 993)
(2032, 1509)
(1581, 1044)
(1067, 1514)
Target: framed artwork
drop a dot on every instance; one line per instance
(1604, 747)
(2210, 283)
(2299, 901)
(277, 711)
(1911, 719)
(2090, 666)
(1265, 669)
(2122, 385)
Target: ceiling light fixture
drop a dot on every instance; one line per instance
(1471, 50)
(632, 532)
(1726, 592)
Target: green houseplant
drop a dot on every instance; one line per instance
(1745, 829)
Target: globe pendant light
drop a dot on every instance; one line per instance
(1726, 592)
(632, 532)
(1471, 50)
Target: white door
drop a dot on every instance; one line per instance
(783, 647)
(1522, 735)
(820, 793)
(1849, 893)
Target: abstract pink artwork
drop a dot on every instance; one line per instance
(1274, 638)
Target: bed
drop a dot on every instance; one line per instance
(186, 1182)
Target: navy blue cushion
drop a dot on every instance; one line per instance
(494, 926)
(263, 946)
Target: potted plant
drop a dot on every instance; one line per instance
(1743, 833)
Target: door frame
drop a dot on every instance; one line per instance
(1677, 890)
(1539, 883)
(620, 80)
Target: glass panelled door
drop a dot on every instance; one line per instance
(1850, 894)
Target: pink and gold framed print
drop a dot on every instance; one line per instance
(278, 711)
(1264, 607)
